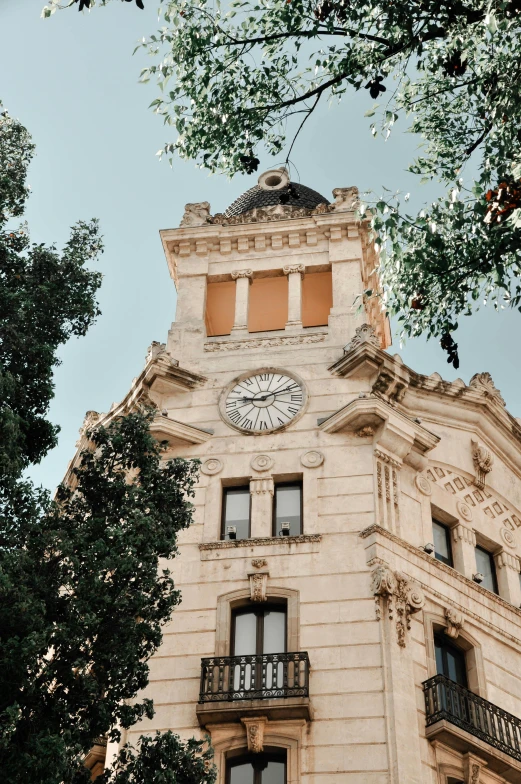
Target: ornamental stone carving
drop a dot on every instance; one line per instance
(401, 596)
(261, 485)
(255, 733)
(365, 432)
(345, 199)
(423, 484)
(264, 343)
(258, 586)
(465, 511)
(245, 273)
(211, 466)
(261, 462)
(312, 459)
(455, 621)
(90, 419)
(482, 382)
(196, 214)
(508, 537)
(155, 350)
(363, 334)
(290, 268)
(258, 563)
(483, 462)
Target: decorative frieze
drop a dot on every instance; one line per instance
(264, 343)
(396, 591)
(483, 461)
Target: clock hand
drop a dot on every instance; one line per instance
(282, 391)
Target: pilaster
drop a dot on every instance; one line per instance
(464, 550)
(507, 570)
(261, 489)
(242, 279)
(295, 273)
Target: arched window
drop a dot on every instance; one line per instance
(268, 768)
(259, 629)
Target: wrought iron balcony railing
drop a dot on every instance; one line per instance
(445, 699)
(254, 677)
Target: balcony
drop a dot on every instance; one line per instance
(468, 723)
(275, 685)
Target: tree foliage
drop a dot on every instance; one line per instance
(238, 75)
(84, 591)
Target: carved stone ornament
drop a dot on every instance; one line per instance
(312, 459)
(245, 273)
(255, 733)
(211, 466)
(155, 350)
(483, 462)
(273, 212)
(258, 563)
(259, 486)
(423, 484)
(508, 537)
(483, 383)
(464, 510)
(290, 268)
(345, 199)
(363, 334)
(400, 594)
(196, 214)
(264, 343)
(365, 432)
(474, 773)
(455, 622)
(261, 462)
(89, 421)
(258, 586)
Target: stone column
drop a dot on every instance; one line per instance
(464, 550)
(507, 570)
(242, 280)
(261, 490)
(295, 273)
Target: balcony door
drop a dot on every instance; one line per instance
(450, 661)
(257, 769)
(257, 631)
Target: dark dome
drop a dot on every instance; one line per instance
(259, 197)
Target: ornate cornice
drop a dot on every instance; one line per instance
(272, 540)
(273, 342)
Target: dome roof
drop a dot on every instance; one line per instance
(268, 193)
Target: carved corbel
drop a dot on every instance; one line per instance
(245, 273)
(255, 733)
(401, 595)
(455, 621)
(258, 586)
(472, 768)
(483, 462)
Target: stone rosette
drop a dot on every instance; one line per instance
(261, 462)
(211, 466)
(423, 485)
(312, 459)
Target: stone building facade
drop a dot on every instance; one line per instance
(351, 582)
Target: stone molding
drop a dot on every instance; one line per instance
(399, 593)
(506, 560)
(261, 485)
(272, 540)
(273, 342)
(255, 733)
(245, 273)
(364, 334)
(500, 604)
(291, 268)
(258, 586)
(483, 461)
(462, 533)
(455, 622)
(165, 429)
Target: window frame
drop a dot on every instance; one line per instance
(225, 491)
(447, 529)
(269, 756)
(294, 483)
(490, 554)
(260, 613)
(448, 644)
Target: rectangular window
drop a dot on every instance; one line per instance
(287, 509)
(485, 565)
(268, 304)
(220, 308)
(317, 299)
(236, 513)
(441, 541)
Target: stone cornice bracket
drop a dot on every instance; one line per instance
(260, 485)
(290, 268)
(455, 622)
(483, 382)
(400, 594)
(258, 586)
(483, 460)
(245, 273)
(506, 560)
(165, 429)
(363, 334)
(255, 733)
(461, 532)
(196, 214)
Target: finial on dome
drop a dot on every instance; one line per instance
(274, 179)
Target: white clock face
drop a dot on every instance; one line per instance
(265, 401)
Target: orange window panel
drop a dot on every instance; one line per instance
(268, 308)
(220, 308)
(317, 299)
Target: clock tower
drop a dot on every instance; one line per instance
(350, 583)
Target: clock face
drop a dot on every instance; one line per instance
(264, 401)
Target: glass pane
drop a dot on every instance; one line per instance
(237, 511)
(242, 774)
(485, 565)
(245, 634)
(274, 773)
(450, 661)
(441, 542)
(274, 631)
(288, 508)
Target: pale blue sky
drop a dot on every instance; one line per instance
(72, 81)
